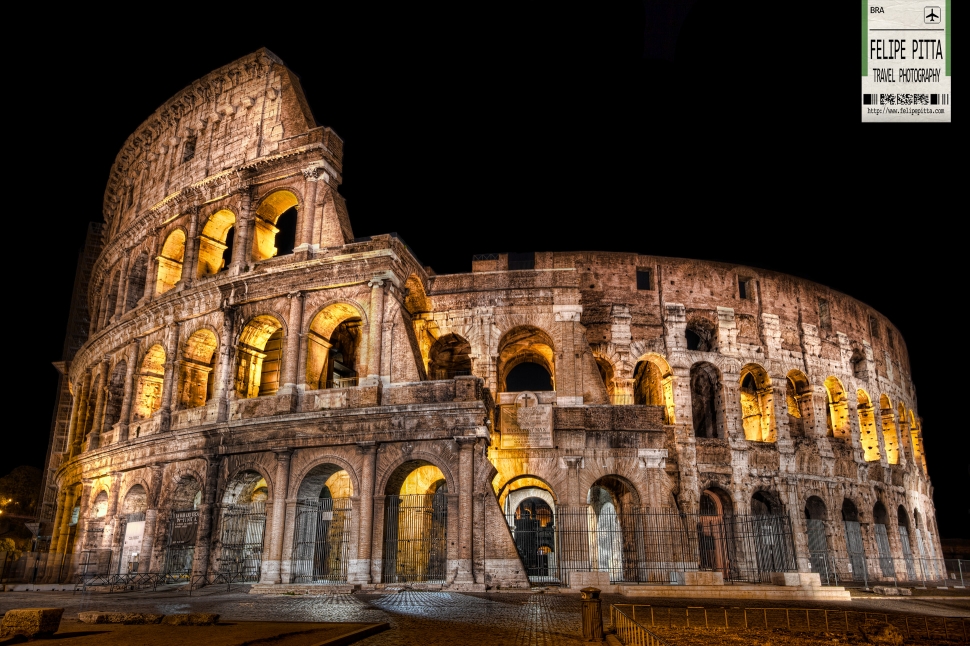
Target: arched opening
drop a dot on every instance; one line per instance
(196, 370)
(415, 524)
(133, 508)
(115, 395)
(853, 540)
(772, 543)
(706, 401)
(415, 299)
(757, 404)
(837, 411)
(148, 393)
(902, 520)
(243, 525)
(880, 526)
(99, 509)
(916, 443)
(653, 385)
(612, 529)
(449, 357)
(214, 243)
(798, 399)
(867, 427)
(136, 281)
(259, 355)
(714, 533)
(324, 515)
(333, 347)
(889, 436)
(111, 300)
(605, 370)
(530, 509)
(526, 360)
(183, 527)
(859, 365)
(818, 552)
(275, 226)
(170, 262)
(701, 335)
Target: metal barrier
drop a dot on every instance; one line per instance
(862, 570)
(793, 619)
(630, 631)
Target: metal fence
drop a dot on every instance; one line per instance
(869, 570)
(242, 540)
(652, 547)
(792, 619)
(322, 539)
(183, 527)
(415, 538)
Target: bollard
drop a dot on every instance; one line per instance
(592, 615)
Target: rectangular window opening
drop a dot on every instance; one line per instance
(874, 327)
(824, 318)
(890, 338)
(744, 288)
(526, 260)
(188, 152)
(644, 279)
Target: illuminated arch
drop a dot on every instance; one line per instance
(216, 238)
(334, 347)
(837, 411)
(151, 377)
(757, 404)
(267, 223)
(706, 400)
(654, 385)
(525, 344)
(890, 437)
(867, 426)
(449, 357)
(798, 400)
(259, 357)
(170, 261)
(196, 369)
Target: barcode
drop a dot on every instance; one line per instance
(905, 99)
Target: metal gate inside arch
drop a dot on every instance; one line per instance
(242, 540)
(415, 537)
(322, 539)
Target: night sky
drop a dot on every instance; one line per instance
(486, 131)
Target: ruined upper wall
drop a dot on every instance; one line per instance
(238, 113)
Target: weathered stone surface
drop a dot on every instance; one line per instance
(191, 619)
(892, 591)
(135, 618)
(30, 622)
(881, 633)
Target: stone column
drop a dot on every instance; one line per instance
(362, 570)
(122, 288)
(80, 539)
(376, 326)
(111, 524)
(168, 383)
(82, 415)
(53, 561)
(151, 521)
(273, 551)
(242, 245)
(72, 420)
(294, 325)
(308, 213)
(151, 273)
(203, 538)
(190, 259)
(224, 376)
(466, 470)
(94, 439)
(126, 399)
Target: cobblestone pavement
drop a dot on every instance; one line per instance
(426, 618)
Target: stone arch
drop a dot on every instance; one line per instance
(99, 507)
(396, 474)
(604, 368)
(880, 515)
(197, 368)
(115, 394)
(798, 400)
(111, 298)
(187, 493)
(837, 411)
(859, 365)
(757, 404)
(259, 357)
(766, 502)
(653, 385)
(610, 499)
(850, 511)
(151, 376)
(449, 357)
(415, 299)
(275, 209)
(137, 276)
(707, 400)
(815, 508)
(890, 437)
(216, 239)
(867, 426)
(310, 481)
(701, 334)
(135, 500)
(170, 261)
(334, 346)
(526, 344)
(527, 481)
(247, 485)
(716, 548)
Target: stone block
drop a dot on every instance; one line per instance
(703, 578)
(892, 591)
(579, 580)
(130, 618)
(30, 622)
(811, 579)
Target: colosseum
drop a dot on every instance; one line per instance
(253, 394)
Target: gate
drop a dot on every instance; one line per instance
(818, 550)
(415, 537)
(885, 553)
(907, 553)
(322, 539)
(242, 540)
(182, 529)
(534, 533)
(857, 553)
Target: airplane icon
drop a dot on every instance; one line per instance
(931, 16)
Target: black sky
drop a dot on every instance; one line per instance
(475, 131)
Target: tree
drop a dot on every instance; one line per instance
(19, 490)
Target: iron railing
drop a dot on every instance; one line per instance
(342, 382)
(183, 528)
(415, 538)
(242, 540)
(322, 540)
(630, 631)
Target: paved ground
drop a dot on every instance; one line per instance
(427, 618)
